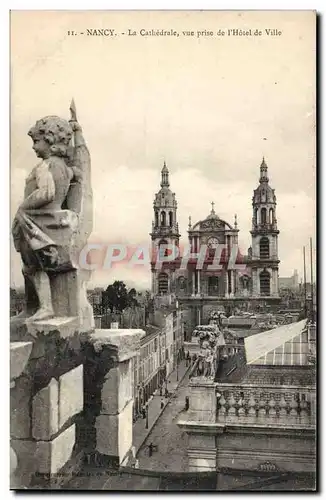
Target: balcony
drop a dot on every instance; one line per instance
(269, 405)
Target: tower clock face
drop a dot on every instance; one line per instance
(212, 242)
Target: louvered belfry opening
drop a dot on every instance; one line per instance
(163, 283)
(264, 248)
(265, 283)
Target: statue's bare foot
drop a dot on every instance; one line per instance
(41, 314)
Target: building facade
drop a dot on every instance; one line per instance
(159, 355)
(259, 411)
(217, 276)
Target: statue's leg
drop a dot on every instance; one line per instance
(42, 287)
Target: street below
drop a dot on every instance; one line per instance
(170, 443)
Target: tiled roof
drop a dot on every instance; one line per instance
(286, 345)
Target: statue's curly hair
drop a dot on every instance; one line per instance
(56, 131)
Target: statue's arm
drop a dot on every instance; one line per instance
(45, 191)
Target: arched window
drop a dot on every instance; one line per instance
(170, 218)
(166, 251)
(271, 216)
(156, 218)
(213, 285)
(264, 248)
(256, 216)
(265, 283)
(163, 218)
(263, 215)
(163, 283)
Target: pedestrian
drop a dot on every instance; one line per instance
(150, 449)
(143, 411)
(187, 403)
(162, 404)
(166, 393)
(161, 390)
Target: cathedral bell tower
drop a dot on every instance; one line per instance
(165, 231)
(264, 237)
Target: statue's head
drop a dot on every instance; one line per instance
(51, 137)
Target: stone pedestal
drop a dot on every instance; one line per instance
(113, 421)
(202, 399)
(201, 425)
(45, 398)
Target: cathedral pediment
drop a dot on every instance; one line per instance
(212, 224)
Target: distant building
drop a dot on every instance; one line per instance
(159, 354)
(290, 283)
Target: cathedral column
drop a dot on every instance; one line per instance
(258, 271)
(226, 293)
(254, 282)
(198, 286)
(232, 283)
(193, 282)
(274, 282)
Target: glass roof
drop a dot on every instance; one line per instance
(286, 345)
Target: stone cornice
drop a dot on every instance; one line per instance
(123, 343)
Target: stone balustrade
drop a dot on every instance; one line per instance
(251, 403)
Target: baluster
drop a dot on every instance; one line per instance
(252, 406)
(222, 402)
(241, 410)
(262, 406)
(303, 405)
(283, 405)
(294, 406)
(271, 406)
(231, 404)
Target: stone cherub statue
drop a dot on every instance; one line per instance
(55, 219)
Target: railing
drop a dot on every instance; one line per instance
(251, 403)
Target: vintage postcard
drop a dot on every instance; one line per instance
(163, 249)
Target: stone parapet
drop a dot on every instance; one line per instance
(107, 428)
(45, 398)
(71, 399)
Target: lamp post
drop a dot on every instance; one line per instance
(146, 424)
(177, 367)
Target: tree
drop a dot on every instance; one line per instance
(132, 300)
(115, 297)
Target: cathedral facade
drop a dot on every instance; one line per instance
(212, 273)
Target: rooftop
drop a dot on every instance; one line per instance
(285, 345)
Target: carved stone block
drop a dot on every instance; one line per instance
(71, 398)
(114, 433)
(20, 418)
(46, 412)
(52, 455)
(117, 389)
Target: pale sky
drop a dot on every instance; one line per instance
(202, 105)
